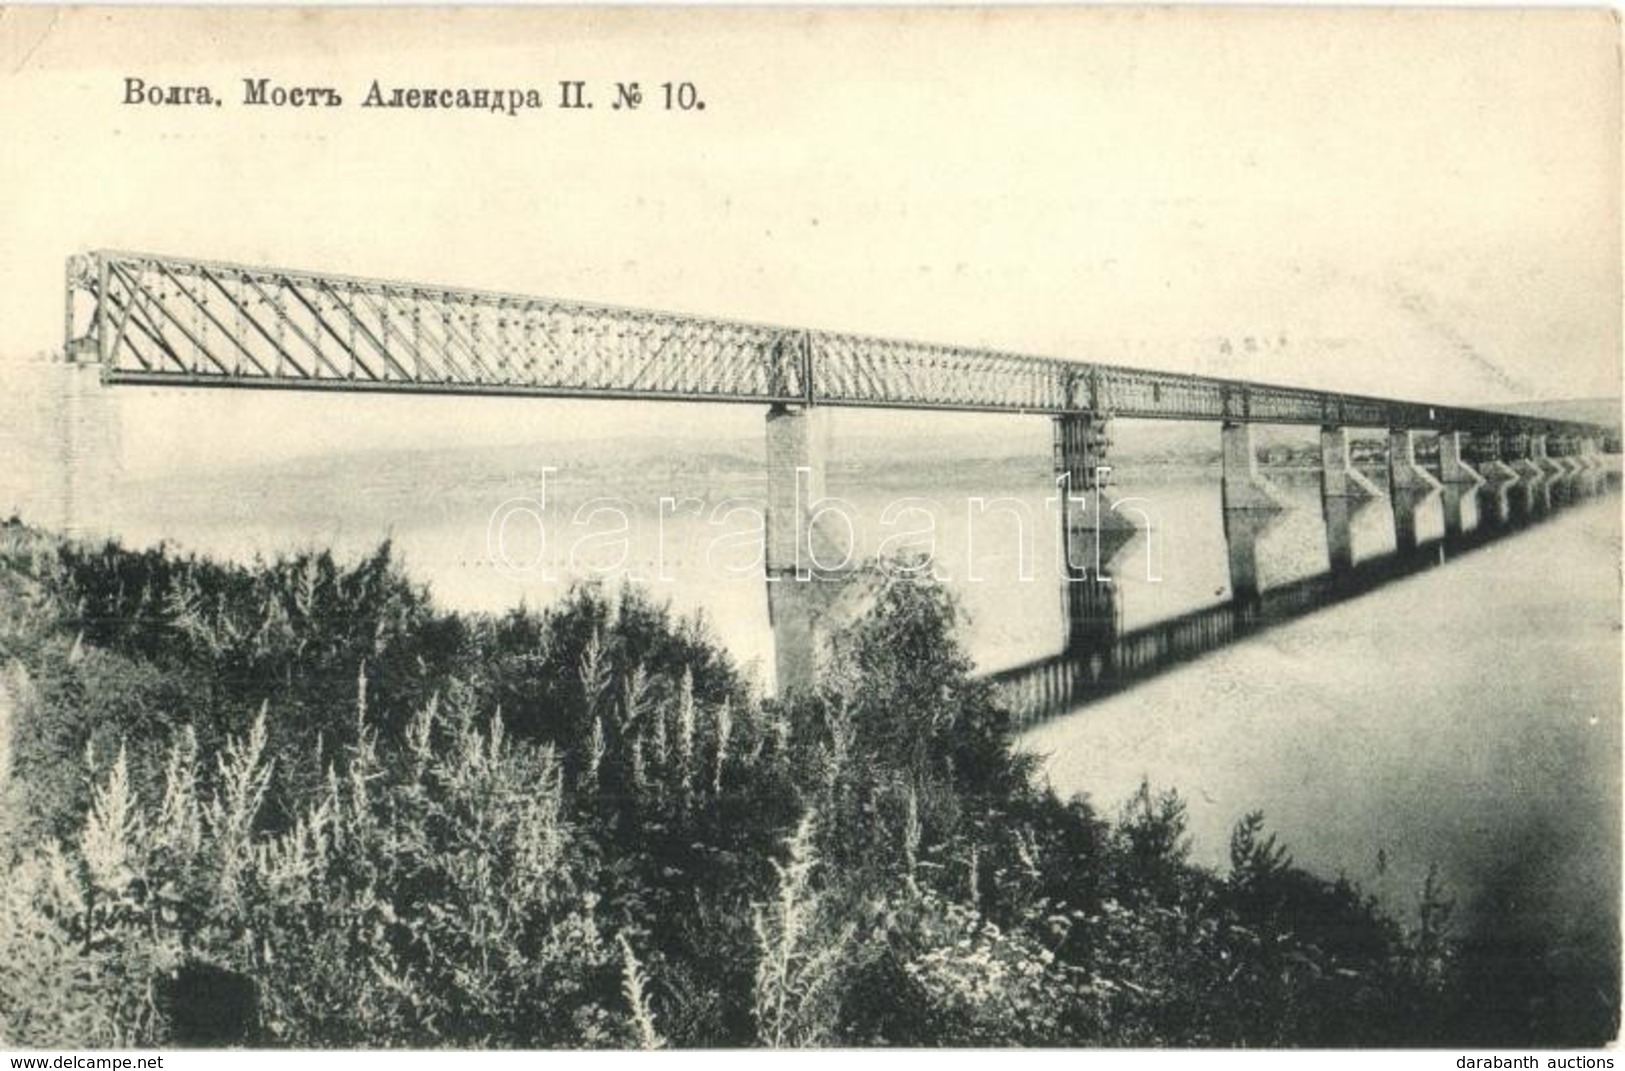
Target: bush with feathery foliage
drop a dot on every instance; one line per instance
(318, 811)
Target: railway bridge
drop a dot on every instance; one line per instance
(139, 319)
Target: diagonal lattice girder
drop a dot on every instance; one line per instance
(168, 320)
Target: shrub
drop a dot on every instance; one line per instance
(294, 804)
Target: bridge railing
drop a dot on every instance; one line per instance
(159, 319)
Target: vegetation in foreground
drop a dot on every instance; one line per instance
(294, 804)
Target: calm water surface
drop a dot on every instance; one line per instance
(1467, 717)
(991, 529)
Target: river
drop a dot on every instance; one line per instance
(1466, 717)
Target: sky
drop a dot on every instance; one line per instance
(1415, 204)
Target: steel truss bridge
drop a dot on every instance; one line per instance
(166, 320)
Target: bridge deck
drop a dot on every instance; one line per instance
(167, 320)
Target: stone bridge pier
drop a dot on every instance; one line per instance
(1453, 465)
(1092, 532)
(809, 563)
(1489, 453)
(1564, 482)
(1534, 487)
(1578, 476)
(92, 452)
(1494, 497)
(1459, 479)
(1589, 455)
(1252, 505)
(1549, 473)
(61, 438)
(1519, 454)
(1540, 450)
(1344, 490)
(1409, 485)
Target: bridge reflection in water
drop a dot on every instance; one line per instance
(1101, 659)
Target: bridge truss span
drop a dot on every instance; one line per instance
(160, 319)
(167, 320)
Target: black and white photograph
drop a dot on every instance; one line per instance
(810, 527)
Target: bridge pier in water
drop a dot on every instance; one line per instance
(1591, 450)
(1244, 486)
(1574, 455)
(1453, 500)
(1586, 454)
(1343, 489)
(1459, 479)
(1571, 454)
(1243, 528)
(1453, 467)
(1519, 452)
(78, 423)
(1487, 456)
(1494, 496)
(1530, 490)
(1092, 533)
(1404, 471)
(1565, 482)
(1590, 457)
(1409, 486)
(1549, 471)
(1251, 506)
(795, 603)
(1550, 465)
